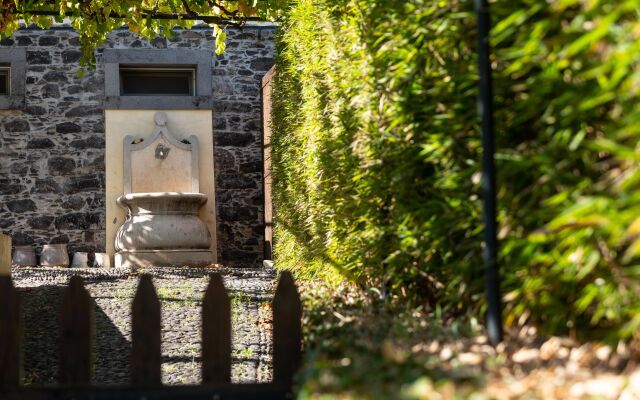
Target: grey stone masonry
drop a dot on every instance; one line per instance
(52, 181)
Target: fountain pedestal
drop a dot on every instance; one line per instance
(163, 229)
(161, 184)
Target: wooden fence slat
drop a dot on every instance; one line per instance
(145, 361)
(216, 333)
(5, 254)
(9, 335)
(287, 330)
(76, 324)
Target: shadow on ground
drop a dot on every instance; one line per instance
(41, 338)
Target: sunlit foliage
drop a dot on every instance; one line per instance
(377, 156)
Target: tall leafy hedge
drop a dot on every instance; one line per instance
(376, 154)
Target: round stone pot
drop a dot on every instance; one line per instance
(54, 255)
(24, 256)
(102, 260)
(162, 221)
(80, 260)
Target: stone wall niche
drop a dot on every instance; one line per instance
(160, 209)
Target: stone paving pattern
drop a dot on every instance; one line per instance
(180, 291)
(52, 182)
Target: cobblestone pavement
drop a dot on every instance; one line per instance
(180, 292)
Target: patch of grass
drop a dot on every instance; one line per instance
(169, 368)
(177, 295)
(238, 301)
(120, 293)
(245, 353)
(165, 293)
(358, 346)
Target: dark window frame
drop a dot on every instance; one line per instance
(179, 73)
(5, 79)
(15, 59)
(200, 60)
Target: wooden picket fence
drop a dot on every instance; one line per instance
(76, 325)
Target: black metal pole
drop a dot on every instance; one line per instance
(485, 108)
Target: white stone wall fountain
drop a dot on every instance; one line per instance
(162, 199)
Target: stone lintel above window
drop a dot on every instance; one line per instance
(154, 60)
(13, 61)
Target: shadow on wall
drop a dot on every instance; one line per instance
(40, 308)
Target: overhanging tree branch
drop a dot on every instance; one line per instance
(212, 19)
(146, 18)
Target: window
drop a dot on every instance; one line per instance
(13, 67)
(5, 80)
(158, 79)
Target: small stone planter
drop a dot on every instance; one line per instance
(24, 256)
(102, 260)
(54, 255)
(80, 260)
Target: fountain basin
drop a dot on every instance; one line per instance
(163, 229)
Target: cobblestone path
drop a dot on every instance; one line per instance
(180, 292)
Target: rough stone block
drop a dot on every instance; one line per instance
(35, 110)
(86, 183)
(73, 89)
(235, 181)
(74, 203)
(77, 221)
(21, 238)
(262, 64)
(24, 41)
(93, 84)
(219, 124)
(19, 168)
(68, 127)
(159, 42)
(37, 57)
(71, 56)
(41, 222)
(46, 185)
(85, 110)
(55, 76)
(11, 186)
(230, 213)
(18, 125)
(232, 107)
(92, 142)
(251, 166)
(20, 206)
(224, 160)
(50, 90)
(48, 40)
(234, 139)
(61, 165)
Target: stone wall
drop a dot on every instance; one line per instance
(52, 151)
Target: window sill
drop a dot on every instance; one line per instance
(158, 102)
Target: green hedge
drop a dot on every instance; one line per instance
(376, 154)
